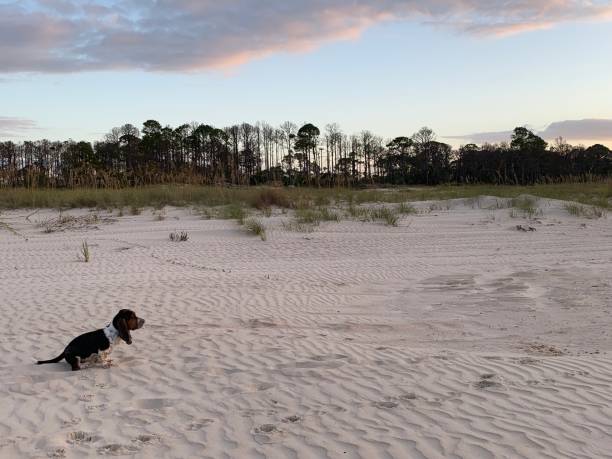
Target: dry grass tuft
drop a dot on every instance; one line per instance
(404, 208)
(160, 215)
(525, 206)
(294, 225)
(85, 253)
(579, 210)
(179, 237)
(389, 216)
(69, 222)
(316, 216)
(385, 214)
(256, 227)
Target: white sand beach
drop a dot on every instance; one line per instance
(452, 335)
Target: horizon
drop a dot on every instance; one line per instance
(471, 72)
(481, 139)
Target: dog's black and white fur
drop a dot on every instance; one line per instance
(101, 340)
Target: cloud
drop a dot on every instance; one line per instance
(594, 130)
(590, 129)
(483, 137)
(14, 127)
(63, 36)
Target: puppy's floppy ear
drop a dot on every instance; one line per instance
(120, 323)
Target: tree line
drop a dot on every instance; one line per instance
(250, 154)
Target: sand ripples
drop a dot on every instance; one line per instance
(448, 336)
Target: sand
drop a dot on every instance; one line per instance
(453, 335)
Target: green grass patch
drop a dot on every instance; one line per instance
(233, 211)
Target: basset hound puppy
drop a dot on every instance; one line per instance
(101, 340)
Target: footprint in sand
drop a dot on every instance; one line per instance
(154, 403)
(117, 450)
(322, 358)
(265, 433)
(486, 381)
(94, 408)
(318, 361)
(199, 424)
(528, 361)
(57, 452)
(264, 386)
(147, 439)
(576, 373)
(293, 419)
(266, 428)
(80, 437)
(71, 422)
(386, 404)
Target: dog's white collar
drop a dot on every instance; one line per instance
(111, 333)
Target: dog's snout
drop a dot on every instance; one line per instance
(140, 322)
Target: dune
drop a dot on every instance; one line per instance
(452, 335)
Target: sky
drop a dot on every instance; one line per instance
(472, 70)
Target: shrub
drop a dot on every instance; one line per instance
(268, 197)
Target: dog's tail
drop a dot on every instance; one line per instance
(55, 360)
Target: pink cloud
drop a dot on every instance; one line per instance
(190, 35)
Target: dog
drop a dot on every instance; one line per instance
(101, 340)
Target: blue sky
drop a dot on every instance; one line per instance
(391, 74)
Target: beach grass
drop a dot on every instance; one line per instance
(85, 252)
(256, 227)
(592, 193)
(583, 211)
